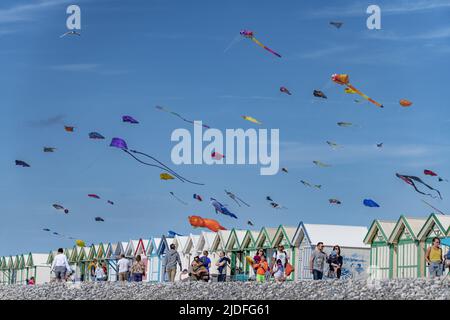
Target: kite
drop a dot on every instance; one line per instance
(405, 103)
(197, 197)
(179, 200)
(49, 149)
(211, 224)
(56, 233)
(319, 94)
(45, 229)
(349, 91)
(411, 181)
(307, 184)
(69, 129)
(60, 207)
(217, 156)
(110, 202)
(285, 90)
(121, 144)
(250, 35)
(345, 124)
(251, 119)
(166, 176)
(334, 201)
(284, 170)
(370, 203)
(91, 195)
(274, 204)
(179, 116)
(380, 145)
(268, 198)
(250, 223)
(70, 33)
(236, 198)
(99, 219)
(96, 135)
(333, 145)
(336, 24)
(80, 243)
(321, 164)
(433, 174)
(343, 79)
(129, 119)
(22, 163)
(172, 234)
(220, 208)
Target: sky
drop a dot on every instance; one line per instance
(131, 57)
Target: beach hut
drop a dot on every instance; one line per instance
(219, 244)
(434, 226)
(135, 248)
(163, 249)
(37, 267)
(283, 237)
(154, 267)
(381, 251)
(111, 261)
(20, 271)
(12, 269)
(237, 256)
(4, 271)
(264, 241)
(180, 242)
(407, 257)
(248, 246)
(191, 248)
(81, 271)
(350, 238)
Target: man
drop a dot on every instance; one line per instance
(205, 260)
(92, 267)
(280, 254)
(317, 262)
(124, 266)
(222, 267)
(60, 266)
(171, 260)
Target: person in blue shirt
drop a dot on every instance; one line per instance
(205, 260)
(222, 266)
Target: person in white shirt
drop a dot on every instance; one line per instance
(60, 266)
(124, 266)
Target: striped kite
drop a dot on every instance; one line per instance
(343, 79)
(250, 35)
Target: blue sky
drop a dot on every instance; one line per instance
(134, 56)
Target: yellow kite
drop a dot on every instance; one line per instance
(251, 119)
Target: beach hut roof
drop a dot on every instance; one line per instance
(220, 240)
(380, 230)
(436, 226)
(284, 236)
(191, 244)
(120, 248)
(249, 239)
(164, 245)
(265, 237)
(412, 225)
(235, 239)
(131, 248)
(205, 241)
(180, 242)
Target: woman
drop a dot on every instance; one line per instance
(138, 269)
(198, 270)
(335, 260)
(278, 271)
(434, 258)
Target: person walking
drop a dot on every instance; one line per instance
(60, 266)
(124, 266)
(138, 269)
(222, 265)
(92, 268)
(335, 261)
(434, 258)
(317, 261)
(171, 260)
(261, 268)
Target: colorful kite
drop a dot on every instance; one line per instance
(411, 181)
(220, 208)
(179, 116)
(251, 119)
(433, 174)
(121, 144)
(334, 201)
(236, 198)
(22, 163)
(285, 90)
(197, 197)
(80, 243)
(349, 91)
(250, 35)
(405, 103)
(96, 136)
(166, 176)
(92, 195)
(343, 79)
(179, 200)
(321, 164)
(211, 224)
(69, 129)
(307, 184)
(129, 119)
(99, 219)
(60, 207)
(217, 156)
(319, 94)
(336, 24)
(49, 149)
(172, 234)
(370, 203)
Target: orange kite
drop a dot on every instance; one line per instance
(199, 222)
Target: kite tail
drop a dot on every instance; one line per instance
(166, 168)
(264, 47)
(243, 202)
(364, 96)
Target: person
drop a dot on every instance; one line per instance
(92, 267)
(222, 266)
(138, 269)
(280, 254)
(317, 261)
(261, 268)
(31, 282)
(434, 258)
(335, 260)
(184, 275)
(257, 258)
(278, 271)
(205, 260)
(100, 274)
(60, 265)
(198, 270)
(171, 260)
(124, 266)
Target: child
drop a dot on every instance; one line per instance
(261, 268)
(184, 275)
(31, 282)
(334, 264)
(278, 271)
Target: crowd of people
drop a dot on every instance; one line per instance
(277, 267)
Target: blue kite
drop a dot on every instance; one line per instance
(220, 208)
(370, 203)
